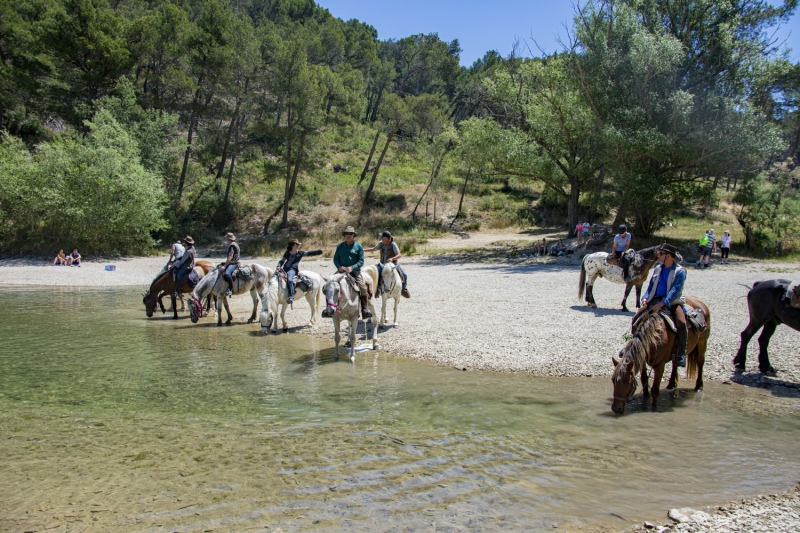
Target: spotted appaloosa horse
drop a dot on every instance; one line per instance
(769, 307)
(596, 266)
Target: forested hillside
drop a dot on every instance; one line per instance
(125, 123)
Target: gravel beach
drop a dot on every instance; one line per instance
(493, 309)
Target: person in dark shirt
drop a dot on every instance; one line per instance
(184, 265)
(231, 262)
(290, 263)
(349, 258)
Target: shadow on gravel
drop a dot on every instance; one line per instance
(502, 263)
(599, 311)
(776, 386)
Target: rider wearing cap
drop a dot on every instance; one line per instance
(349, 258)
(666, 289)
(622, 242)
(390, 253)
(184, 265)
(231, 262)
(290, 263)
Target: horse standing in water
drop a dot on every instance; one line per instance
(215, 284)
(341, 295)
(770, 304)
(278, 295)
(596, 266)
(391, 283)
(652, 345)
(165, 284)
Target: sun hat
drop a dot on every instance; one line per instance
(350, 229)
(669, 248)
(188, 240)
(230, 236)
(294, 241)
(727, 231)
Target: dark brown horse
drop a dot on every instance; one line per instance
(165, 285)
(769, 307)
(652, 345)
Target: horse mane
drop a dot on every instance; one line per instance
(646, 338)
(200, 290)
(158, 281)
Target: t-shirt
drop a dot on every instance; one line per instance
(620, 241)
(711, 240)
(579, 228)
(726, 241)
(384, 249)
(178, 250)
(663, 279)
(586, 227)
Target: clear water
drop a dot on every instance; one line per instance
(114, 421)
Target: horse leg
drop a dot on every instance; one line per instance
(254, 296)
(673, 378)
(161, 303)
(375, 345)
(658, 373)
(336, 337)
(396, 301)
(283, 318)
(227, 310)
(645, 390)
(219, 310)
(382, 321)
(763, 342)
(590, 295)
(746, 335)
(628, 288)
(353, 327)
(638, 296)
(174, 307)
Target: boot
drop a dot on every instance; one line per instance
(229, 281)
(365, 312)
(405, 292)
(683, 338)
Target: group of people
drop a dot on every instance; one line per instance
(73, 259)
(708, 245)
(582, 231)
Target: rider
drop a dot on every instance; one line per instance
(665, 288)
(231, 263)
(390, 253)
(622, 242)
(175, 253)
(349, 257)
(184, 265)
(290, 264)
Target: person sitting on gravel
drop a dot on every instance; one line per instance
(559, 248)
(290, 264)
(60, 259)
(666, 289)
(541, 248)
(74, 259)
(390, 253)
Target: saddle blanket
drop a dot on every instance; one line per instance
(243, 273)
(193, 278)
(303, 283)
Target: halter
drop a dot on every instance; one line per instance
(631, 393)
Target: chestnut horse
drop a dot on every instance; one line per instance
(652, 345)
(165, 284)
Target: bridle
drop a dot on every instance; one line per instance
(394, 281)
(632, 391)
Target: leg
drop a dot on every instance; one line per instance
(763, 342)
(638, 296)
(673, 378)
(748, 333)
(396, 301)
(219, 310)
(228, 276)
(658, 373)
(283, 318)
(254, 296)
(404, 277)
(290, 274)
(174, 306)
(628, 288)
(336, 337)
(353, 327)
(375, 345)
(384, 297)
(683, 334)
(364, 295)
(589, 295)
(645, 390)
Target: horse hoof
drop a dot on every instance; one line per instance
(376, 347)
(285, 330)
(698, 389)
(625, 310)
(335, 357)
(250, 321)
(738, 368)
(770, 372)
(352, 358)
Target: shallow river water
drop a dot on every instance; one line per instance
(110, 421)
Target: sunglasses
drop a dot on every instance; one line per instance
(349, 233)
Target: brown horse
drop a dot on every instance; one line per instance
(652, 345)
(165, 284)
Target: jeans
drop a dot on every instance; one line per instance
(399, 268)
(231, 269)
(290, 274)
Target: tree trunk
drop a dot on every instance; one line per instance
(369, 158)
(374, 116)
(572, 208)
(186, 155)
(461, 200)
(230, 132)
(434, 174)
(622, 212)
(375, 175)
(2, 114)
(597, 194)
(233, 161)
(297, 164)
(285, 219)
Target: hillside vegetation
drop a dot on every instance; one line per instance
(126, 124)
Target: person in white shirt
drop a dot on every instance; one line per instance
(725, 246)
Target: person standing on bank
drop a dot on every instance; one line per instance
(725, 247)
(290, 264)
(666, 289)
(349, 258)
(390, 253)
(709, 243)
(231, 263)
(184, 265)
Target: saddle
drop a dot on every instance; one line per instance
(193, 279)
(695, 319)
(303, 283)
(243, 274)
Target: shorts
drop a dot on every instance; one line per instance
(707, 250)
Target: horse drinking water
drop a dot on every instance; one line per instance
(165, 284)
(215, 284)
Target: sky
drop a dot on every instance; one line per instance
(482, 25)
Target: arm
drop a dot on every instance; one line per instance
(677, 286)
(373, 249)
(311, 253)
(360, 262)
(283, 259)
(228, 260)
(649, 289)
(396, 251)
(336, 261)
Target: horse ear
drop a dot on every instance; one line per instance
(630, 366)
(614, 360)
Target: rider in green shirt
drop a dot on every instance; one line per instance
(349, 258)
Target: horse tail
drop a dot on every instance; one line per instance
(319, 295)
(582, 281)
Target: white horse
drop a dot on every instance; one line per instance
(342, 305)
(278, 295)
(596, 266)
(214, 283)
(391, 283)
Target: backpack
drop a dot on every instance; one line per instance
(704, 240)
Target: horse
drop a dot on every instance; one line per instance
(215, 284)
(278, 295)
(165, 284)
(342, 305)
(391, 283)
(652, 345)
(769, 307)
(596, 266)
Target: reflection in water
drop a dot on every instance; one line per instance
(197, 427)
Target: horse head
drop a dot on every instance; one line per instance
(387, 277)
(624, 382)
(331, 290)
(150, 303)
(269, 304)
(195, 309)
(795, 300)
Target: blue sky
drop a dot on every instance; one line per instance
(484, 25)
